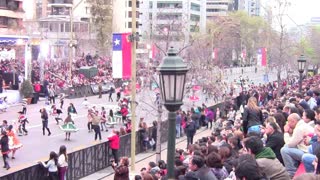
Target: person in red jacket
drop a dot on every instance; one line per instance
(114, 144)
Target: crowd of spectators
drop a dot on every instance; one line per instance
(274, 134)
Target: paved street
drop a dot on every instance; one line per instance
(37, 147)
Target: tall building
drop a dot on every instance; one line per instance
(12, 31)
(122, 16)
(55, 26)
(178, 19)
(219, 8)
(11, 17)
(252, 7)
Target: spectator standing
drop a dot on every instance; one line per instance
(190, 131)
(114, 144)
(52, 94)
(252, 117)
(62, 162)
(209, 117)
(100, 90)
(178, 124)
(154, 134)
(144, 136)
(52, 166)
(110, 94)
(121, 172)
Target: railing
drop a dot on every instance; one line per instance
(89, 160)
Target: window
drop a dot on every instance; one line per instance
(173, 5)
(3, 4)
(150, 16)
(195, 7)
(150, 4)
(130, 4)
(87, 10)
(194, 17)
(67, 27)
(130, 24)
(169, 16)
(54, 27)
(130, 14)
(3, 21)
(62, 27)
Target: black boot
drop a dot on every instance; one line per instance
(43, 132)
(49, 132)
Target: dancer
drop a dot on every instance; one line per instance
(95, 125)
(4, 142)
(55, 112)
(14, 143)
(72, 111)
(22, 120)
(61, 97)
(103, 118)
(44, 117)
(89, 117)
(68, 127)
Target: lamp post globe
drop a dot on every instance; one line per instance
(172, 75)
(301, 66)
(301, 63)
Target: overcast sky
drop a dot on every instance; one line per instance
(301, 11)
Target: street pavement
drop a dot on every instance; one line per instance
(37, 147)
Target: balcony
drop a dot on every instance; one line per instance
(11, 14)
(60, 3)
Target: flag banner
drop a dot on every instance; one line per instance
(215, 53)
(262, 57)
(121, 56)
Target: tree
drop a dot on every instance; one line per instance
(101, 11)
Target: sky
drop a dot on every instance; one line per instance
(299, 12)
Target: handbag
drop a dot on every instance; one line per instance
(152, 142)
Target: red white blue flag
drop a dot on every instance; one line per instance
(262, 57)
(121, 56)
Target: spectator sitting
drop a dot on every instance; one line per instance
(275, 139)
(197, 165)
(266, 159)
(248, 169)
(294, 148)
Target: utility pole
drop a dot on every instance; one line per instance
(71, 43)
(158, 145)
(133, 84)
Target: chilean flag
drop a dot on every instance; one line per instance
(121, 56)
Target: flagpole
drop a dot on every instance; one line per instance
(133, 86)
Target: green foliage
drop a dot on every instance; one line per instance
(26, 89)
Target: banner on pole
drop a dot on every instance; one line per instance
(121, 56)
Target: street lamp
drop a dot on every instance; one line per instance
(301, 66)
(172, 75)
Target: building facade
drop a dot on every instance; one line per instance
(172, 21)
(252, 7)
(218, 8)
(57, 18)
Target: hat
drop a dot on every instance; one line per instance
(309, 93)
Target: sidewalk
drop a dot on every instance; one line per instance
(143, 159)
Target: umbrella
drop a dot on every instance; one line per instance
(196, 88)
(194, 98)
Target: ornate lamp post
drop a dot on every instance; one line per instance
(172, 75)
(301, 66)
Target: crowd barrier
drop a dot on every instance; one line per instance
(80, 91)
(91, 159)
